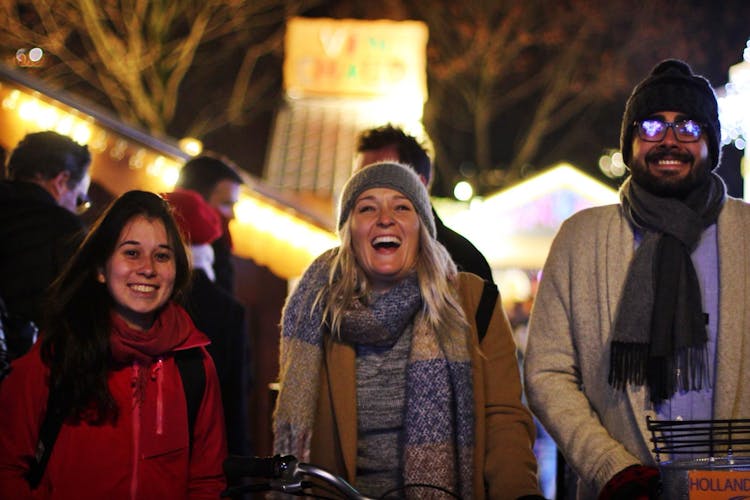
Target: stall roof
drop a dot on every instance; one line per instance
(273, 228)
(515, 227)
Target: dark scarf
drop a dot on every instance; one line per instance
(439, 418)
(660, 336)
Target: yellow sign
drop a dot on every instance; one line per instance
(718, 485)
(348, 57)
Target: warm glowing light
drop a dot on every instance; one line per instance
(463, 191)
(11, 100)
(514, 285)
(82, 133)
(65, 125)
(28, 109)
(118, 150)
(169, 175)
(47, 117)
(267, 218)
(139, 159)
(191, 146)
(612, 165)
(36, 54)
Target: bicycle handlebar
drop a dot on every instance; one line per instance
(275, 467)
(286, 475)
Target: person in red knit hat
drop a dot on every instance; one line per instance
(216, 313)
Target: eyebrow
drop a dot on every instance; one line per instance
(135, 242)
(398, 196)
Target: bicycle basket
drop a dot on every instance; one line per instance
(702, 459)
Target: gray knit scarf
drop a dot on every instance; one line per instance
(660, 333)
(439, 412)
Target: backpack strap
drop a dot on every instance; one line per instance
(485, 308)
(51, 425)
(193, 375)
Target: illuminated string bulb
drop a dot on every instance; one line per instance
(170, 175)
(463, 191)
(11, 100)
(82, 133)
(191, 146)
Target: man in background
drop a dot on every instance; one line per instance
(392, 143)
(218, 181)
(46, 188)
(216, 313)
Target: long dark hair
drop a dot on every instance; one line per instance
(77, 326)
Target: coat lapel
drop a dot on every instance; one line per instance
(732, 345)
(342, 381)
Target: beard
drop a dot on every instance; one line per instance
(665, 186)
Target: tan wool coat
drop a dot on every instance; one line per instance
(504, 462)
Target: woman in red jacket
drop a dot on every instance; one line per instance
(108, 351)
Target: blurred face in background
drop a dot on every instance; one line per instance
(224, 197)
(386, 153)
(385, 236)
(76, 198)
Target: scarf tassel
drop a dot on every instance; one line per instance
(628, 364)
(686, 371)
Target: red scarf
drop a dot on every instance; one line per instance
(130, 346)
(170, 330)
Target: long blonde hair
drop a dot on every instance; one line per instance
(436, 274)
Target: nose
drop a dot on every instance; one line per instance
(385, 218)
(148, 269)
(671, 136)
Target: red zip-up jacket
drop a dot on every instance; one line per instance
(144, 455)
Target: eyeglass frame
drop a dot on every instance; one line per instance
(668, 125)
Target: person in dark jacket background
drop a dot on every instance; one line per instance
(218, 181)
(217, 314)
(47, 184)
(390, 143)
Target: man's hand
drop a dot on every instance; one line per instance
(637, 482)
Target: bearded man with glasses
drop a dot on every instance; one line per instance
(45, 191)
(644, 307)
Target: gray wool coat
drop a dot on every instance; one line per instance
(600, 430)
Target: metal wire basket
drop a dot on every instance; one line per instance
(702, 458)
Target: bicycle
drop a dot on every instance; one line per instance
(285, 474)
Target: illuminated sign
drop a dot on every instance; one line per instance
(347, 57)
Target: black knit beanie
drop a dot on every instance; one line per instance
(672, 86)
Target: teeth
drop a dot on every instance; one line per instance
(670, 162)
(386, 239)
(143, 288)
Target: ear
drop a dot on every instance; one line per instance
(100, 277)
(59, 184)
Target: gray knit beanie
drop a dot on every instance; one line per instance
(387, 175)
(672, 86)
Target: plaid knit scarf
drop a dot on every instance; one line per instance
(660, 336)
(439, 413)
